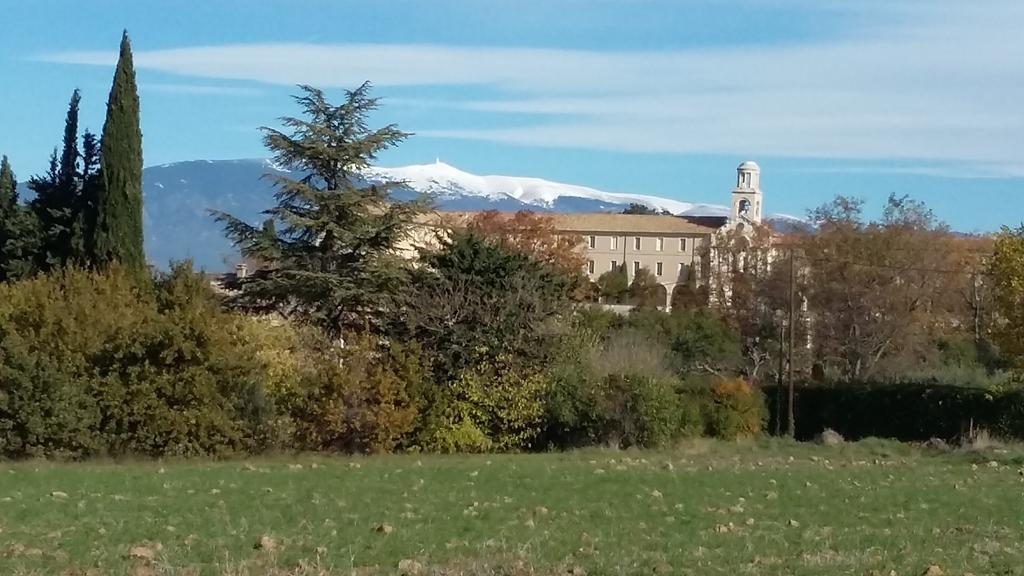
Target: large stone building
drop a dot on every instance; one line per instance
(670, 247)
(667, 246)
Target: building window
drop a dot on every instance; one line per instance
(682, 244)
(590, 266)
(658, 269)
(615, 242)
(592, 241)
(614, 265)
(636, 267)
(661, 244)
(636, 243)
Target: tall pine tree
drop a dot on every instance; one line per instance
(333, 260)
(85, 221)
(117, 236)
(56, 205)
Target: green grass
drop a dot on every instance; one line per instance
(704, 508)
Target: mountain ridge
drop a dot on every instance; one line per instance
(178, 197)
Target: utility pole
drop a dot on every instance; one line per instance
(779, 375)
(791, 421)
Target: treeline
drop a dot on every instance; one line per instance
(894, 299)
(484, 341)
(338, 341)
(87, 207)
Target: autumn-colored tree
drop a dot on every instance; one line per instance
(1006, 270)
(534, 234)
(879, 292)
(746, 278)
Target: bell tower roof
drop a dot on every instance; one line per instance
(746, 196)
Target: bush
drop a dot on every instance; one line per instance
(490, 407)
(360, 399)
(103, 363)
(737, 410)
(636, 410)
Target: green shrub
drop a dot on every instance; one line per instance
(636, 410)
(490, 407)
(102, 363)
(617, 387)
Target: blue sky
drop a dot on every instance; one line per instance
(865, 97)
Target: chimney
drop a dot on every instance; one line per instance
(241, 270)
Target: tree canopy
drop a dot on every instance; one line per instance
(330, 252)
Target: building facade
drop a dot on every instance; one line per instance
(671, 248)
(667, 246)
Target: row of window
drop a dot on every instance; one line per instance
(659, 268)
(659, 243)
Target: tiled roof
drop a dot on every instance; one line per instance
(595, 222)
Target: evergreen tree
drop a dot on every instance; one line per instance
(477, 302)
(8, 188)
(332, 260)
(613, 285)
(118, 232)
(56, 205)
(46, 212)
(645, 291)
(635, 208)
(85, 222)
(18, 243)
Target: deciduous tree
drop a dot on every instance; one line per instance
(536, 235)
(1006, 270)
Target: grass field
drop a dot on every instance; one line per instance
(704, 508)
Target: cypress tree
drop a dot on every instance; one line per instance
(118, 231)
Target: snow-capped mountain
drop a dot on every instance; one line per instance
(178, 198)
(447, 182)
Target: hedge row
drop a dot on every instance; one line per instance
(912, 412)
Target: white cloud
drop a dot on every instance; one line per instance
(938, 81)
(199, 89)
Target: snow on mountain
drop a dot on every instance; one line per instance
(446, 182)
(178, 198)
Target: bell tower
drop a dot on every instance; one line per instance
(746, 196)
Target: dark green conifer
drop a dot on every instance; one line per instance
(333, 258)
(57, 199)
(118, 232)
(8, 187)
(18, 229)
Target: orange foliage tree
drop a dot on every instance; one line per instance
(534, 234)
